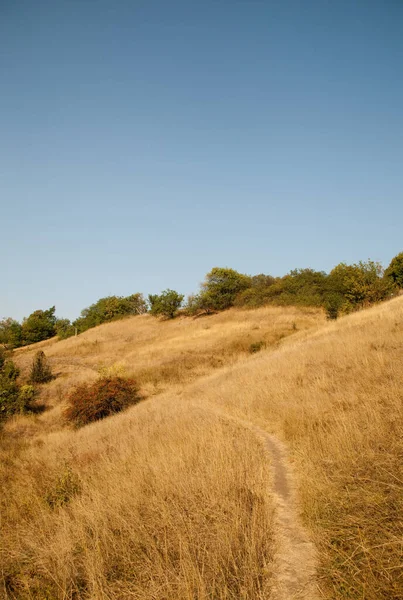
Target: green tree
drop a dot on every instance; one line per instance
(13, 398)
(305, 287)
(394, 272)
(333, 305)
(40, 325)
(64, 329)
(135, 304)
(10, 333)
(192, 306)
(9, 371)
(220, 288)
(259, 292)
(165, 304)
(360, 284)
(40, 370)
(9, 395)
(109, 309)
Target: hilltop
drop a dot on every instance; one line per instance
(178, 497)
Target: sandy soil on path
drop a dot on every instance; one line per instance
(294, 566)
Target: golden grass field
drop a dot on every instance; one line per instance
(172, 499)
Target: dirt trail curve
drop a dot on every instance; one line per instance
(295, 556)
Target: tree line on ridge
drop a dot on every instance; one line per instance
(345, 289)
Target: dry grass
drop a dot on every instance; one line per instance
(159, 503)
(160, 355)
(168, 501)
(336, 400)
(163, 502)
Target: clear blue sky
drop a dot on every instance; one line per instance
(143, 142)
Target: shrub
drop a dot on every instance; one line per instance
(105, 397)
(64, 329)
(301, 287)
(9, 395)
(10, 333)
(9, 371)
(109, 309)
(166, 304)
(115, 370)
(192, 307)
(66, 486)
(360, 284)
(256, 347)
(220, 288)
(395, 270)
(258, 294)
(13, 398)
(23, 402)
(253, 297)
(40, 370)
(40, 325)
(26, 397)
(333, 305)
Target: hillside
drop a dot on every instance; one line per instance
(162, 354)
(235, 464)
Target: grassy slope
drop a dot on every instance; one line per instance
(160, 355)
(167, 502)
(164, 501)
(336, 400)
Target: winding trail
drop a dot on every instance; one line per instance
(295, 555)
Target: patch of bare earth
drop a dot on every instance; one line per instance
(294, 568)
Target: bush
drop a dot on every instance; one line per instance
(220, 288)
(253, 297)
(258, 294)
(40, 370)
(395, 270)
(66, 486)
(256, 347)
(300, 287)
(9, 396)
(166, 304)
(40, 325)
(333, 305)
(9, 371)
(109, 309)
(13, 398)
(361, 284)
(64, 329)
(10, 333)
(192, 307)
(115, 370)
(105, 397)
(26, 397)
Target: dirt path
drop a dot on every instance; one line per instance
(295, 557)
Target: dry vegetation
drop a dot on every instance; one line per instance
(158, 503)
(160, 355)
(335, 398)
(169, 501)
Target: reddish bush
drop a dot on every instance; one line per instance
(88, 403)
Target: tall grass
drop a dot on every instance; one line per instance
(160, 503)
(168, 501)
(336, 400)
(160, 355)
